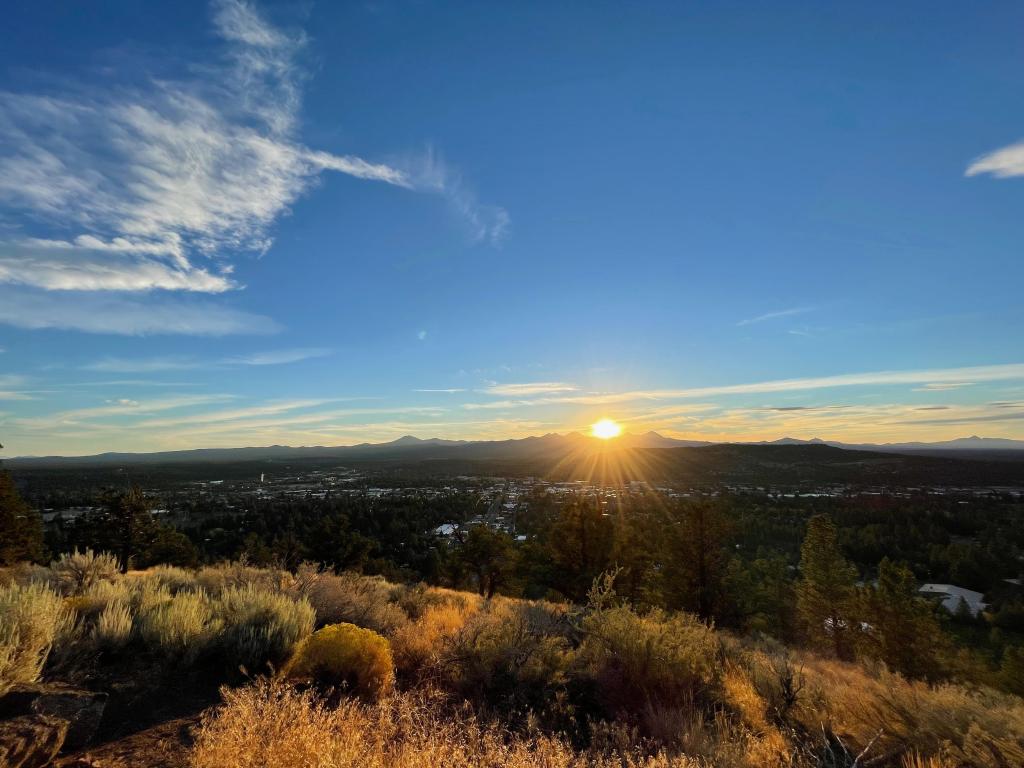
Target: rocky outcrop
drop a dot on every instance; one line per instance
(81, 710)
(31, 741)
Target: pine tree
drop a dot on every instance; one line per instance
(581, 542)
(903, 631)
(696, 558)
(21, 529)
(825, 591)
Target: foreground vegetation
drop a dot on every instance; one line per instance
(325, 669)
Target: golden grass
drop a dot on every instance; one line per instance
(420, 645)
(269, 725)
(978, 727)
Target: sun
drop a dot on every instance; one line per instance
(605, 429)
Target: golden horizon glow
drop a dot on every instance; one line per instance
(605, 429)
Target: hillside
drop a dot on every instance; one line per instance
(431, 676)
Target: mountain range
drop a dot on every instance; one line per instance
(529, 447)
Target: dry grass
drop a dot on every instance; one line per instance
(977, 727)
(272, 726)
(420, 645)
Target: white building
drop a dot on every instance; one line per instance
(952, 595)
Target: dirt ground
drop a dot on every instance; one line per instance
(164, 745)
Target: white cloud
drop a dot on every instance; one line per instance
(115, 313)
(117, 408)
(773, 315)
(65, 266)
(1002, 163)
(179, 363)
(146, 365)
(451, 391)
(942, 386)
(531, 388)
(155, 178)
(279, 356)
(944, 377)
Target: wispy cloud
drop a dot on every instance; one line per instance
(180, 363)
(485, 223)
(530, 388)
(146, 365)
(1001, 163)
(153, 188)
(774, 315)
(115, 313)
(279, 356)
(451, 391)
(554, 391)
(158, 177)
(943, 386)
(119, 409)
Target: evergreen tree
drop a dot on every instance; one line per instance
(21, 528)
(581, 542)
(696, 560)
(490, 556)
(903, 631)
(826, 589)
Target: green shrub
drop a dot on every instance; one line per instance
(665, 658)
(78, 571)
(511, 653)
(261, 626)
(32, 618)
(345, 654)
(180, 628)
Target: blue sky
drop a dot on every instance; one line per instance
(322, 223)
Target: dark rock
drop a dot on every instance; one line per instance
(31, 741)
(82, 709)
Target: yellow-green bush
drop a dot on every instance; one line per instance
(32, 619)
(345, 654)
